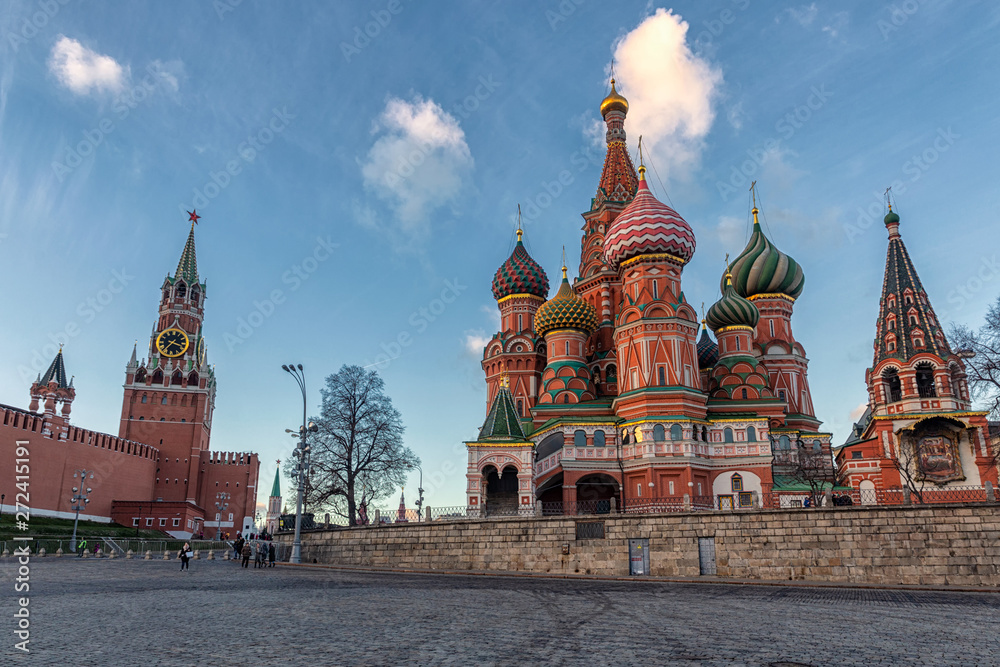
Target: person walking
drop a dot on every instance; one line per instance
(185, 557)
(246, 554)
(238, 547)
(81, 547)
(258, 552)
(270, 554)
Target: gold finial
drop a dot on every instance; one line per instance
(729, 275)
(519, 230)
(564, 263)
(642, 166)
(753, 193)
(887, 200)
(703, 320)
(505, 379)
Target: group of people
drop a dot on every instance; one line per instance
(263, 553)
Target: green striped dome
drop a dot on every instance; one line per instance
(763, 269)
(732, 310)
(565, 310)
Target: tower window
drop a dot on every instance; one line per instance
(144, 398)
(520, 323)
(567, 348)
(163, 401)
(894, 390)
(737, 482)
(177, 378)
(925, 381)
(727, 435)
(656, 290)
(751, 433)
(661, 376)
(520, 408)
(744, 394)
(140, 375)
(157, 376)
(181, 290)
(771, 324)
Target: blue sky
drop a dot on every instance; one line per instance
(403, 135)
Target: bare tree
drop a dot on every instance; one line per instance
(906, 460)
(815, 468)
(357, 456)
(981, 350)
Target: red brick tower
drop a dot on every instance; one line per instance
(53, 390)
(598, 284)
(919, 416)
(169, 399)
(516, 353)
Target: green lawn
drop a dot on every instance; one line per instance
(57, 528)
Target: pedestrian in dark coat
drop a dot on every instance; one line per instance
(246, 554)
(270, 554)
(185, 556)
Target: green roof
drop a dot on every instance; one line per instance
(187, 267)
(276, 489)
(785, 483)
(502, 422)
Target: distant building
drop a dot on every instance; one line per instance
(274, 503)
(606, 390)
(919, 421)
(158, 472)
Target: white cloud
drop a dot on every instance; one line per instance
(670, 91)
(732, 233)
(418, 163)
(475, 342)
(84, 71)
(805, 14)
(858, 411)
(735, 116)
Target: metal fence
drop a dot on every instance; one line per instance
(921, 495)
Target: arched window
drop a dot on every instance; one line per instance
(611, 373)
(195, 295)
(891, 301)
(626, 439)
(743, 394)
(913, 320)
(893, 388)
(520, 407)
(193, 379)
(599, 439)
(579, 438)
(144, 398)
(704, 434)
(751, 434)
(163, 401)
(784, 442)
(661, 376)
(658, 433)
(727, 435)
(925, 380)
(140, 375)
(892, 324)
(180, 291)
(676, 432)
(565, 398)
(177, 378)
(817, 446)
(157, 376)
(737, 482)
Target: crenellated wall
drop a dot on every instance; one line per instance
(56, 450)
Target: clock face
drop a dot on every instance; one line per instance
(172, 342)
(200, 351)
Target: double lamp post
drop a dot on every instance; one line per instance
(301, 453)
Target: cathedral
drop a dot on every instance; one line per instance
(158, 472)
(607, 392)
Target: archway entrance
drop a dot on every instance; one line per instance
(501, 489)
(594, 493)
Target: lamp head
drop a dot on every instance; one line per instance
(285, 368)
(300, 367)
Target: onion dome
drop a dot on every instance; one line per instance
(520, 274)
(732, 310)
(566, 310)
(891, 218)
(708, 349)
(613, 102)
(763, 269)
(647, 226)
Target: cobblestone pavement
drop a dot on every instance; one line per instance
(149, 613)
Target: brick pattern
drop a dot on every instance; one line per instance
(954, 545)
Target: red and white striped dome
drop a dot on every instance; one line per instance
(647, 226)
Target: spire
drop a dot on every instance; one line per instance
(907, 322)
(187, 267)
(57, 372)
(276, 487)
(618, 182)
(134, 361)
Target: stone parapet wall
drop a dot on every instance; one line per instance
(940, 545)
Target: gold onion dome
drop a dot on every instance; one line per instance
(565, 310)
(763, 269)
(613, 102)
(732, 310)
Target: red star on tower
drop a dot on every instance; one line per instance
(193, 216)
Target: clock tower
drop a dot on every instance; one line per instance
(170, 395)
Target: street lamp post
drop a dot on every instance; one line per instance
(79, 500)
(420, 496)
(221, 504)
(301, 452)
